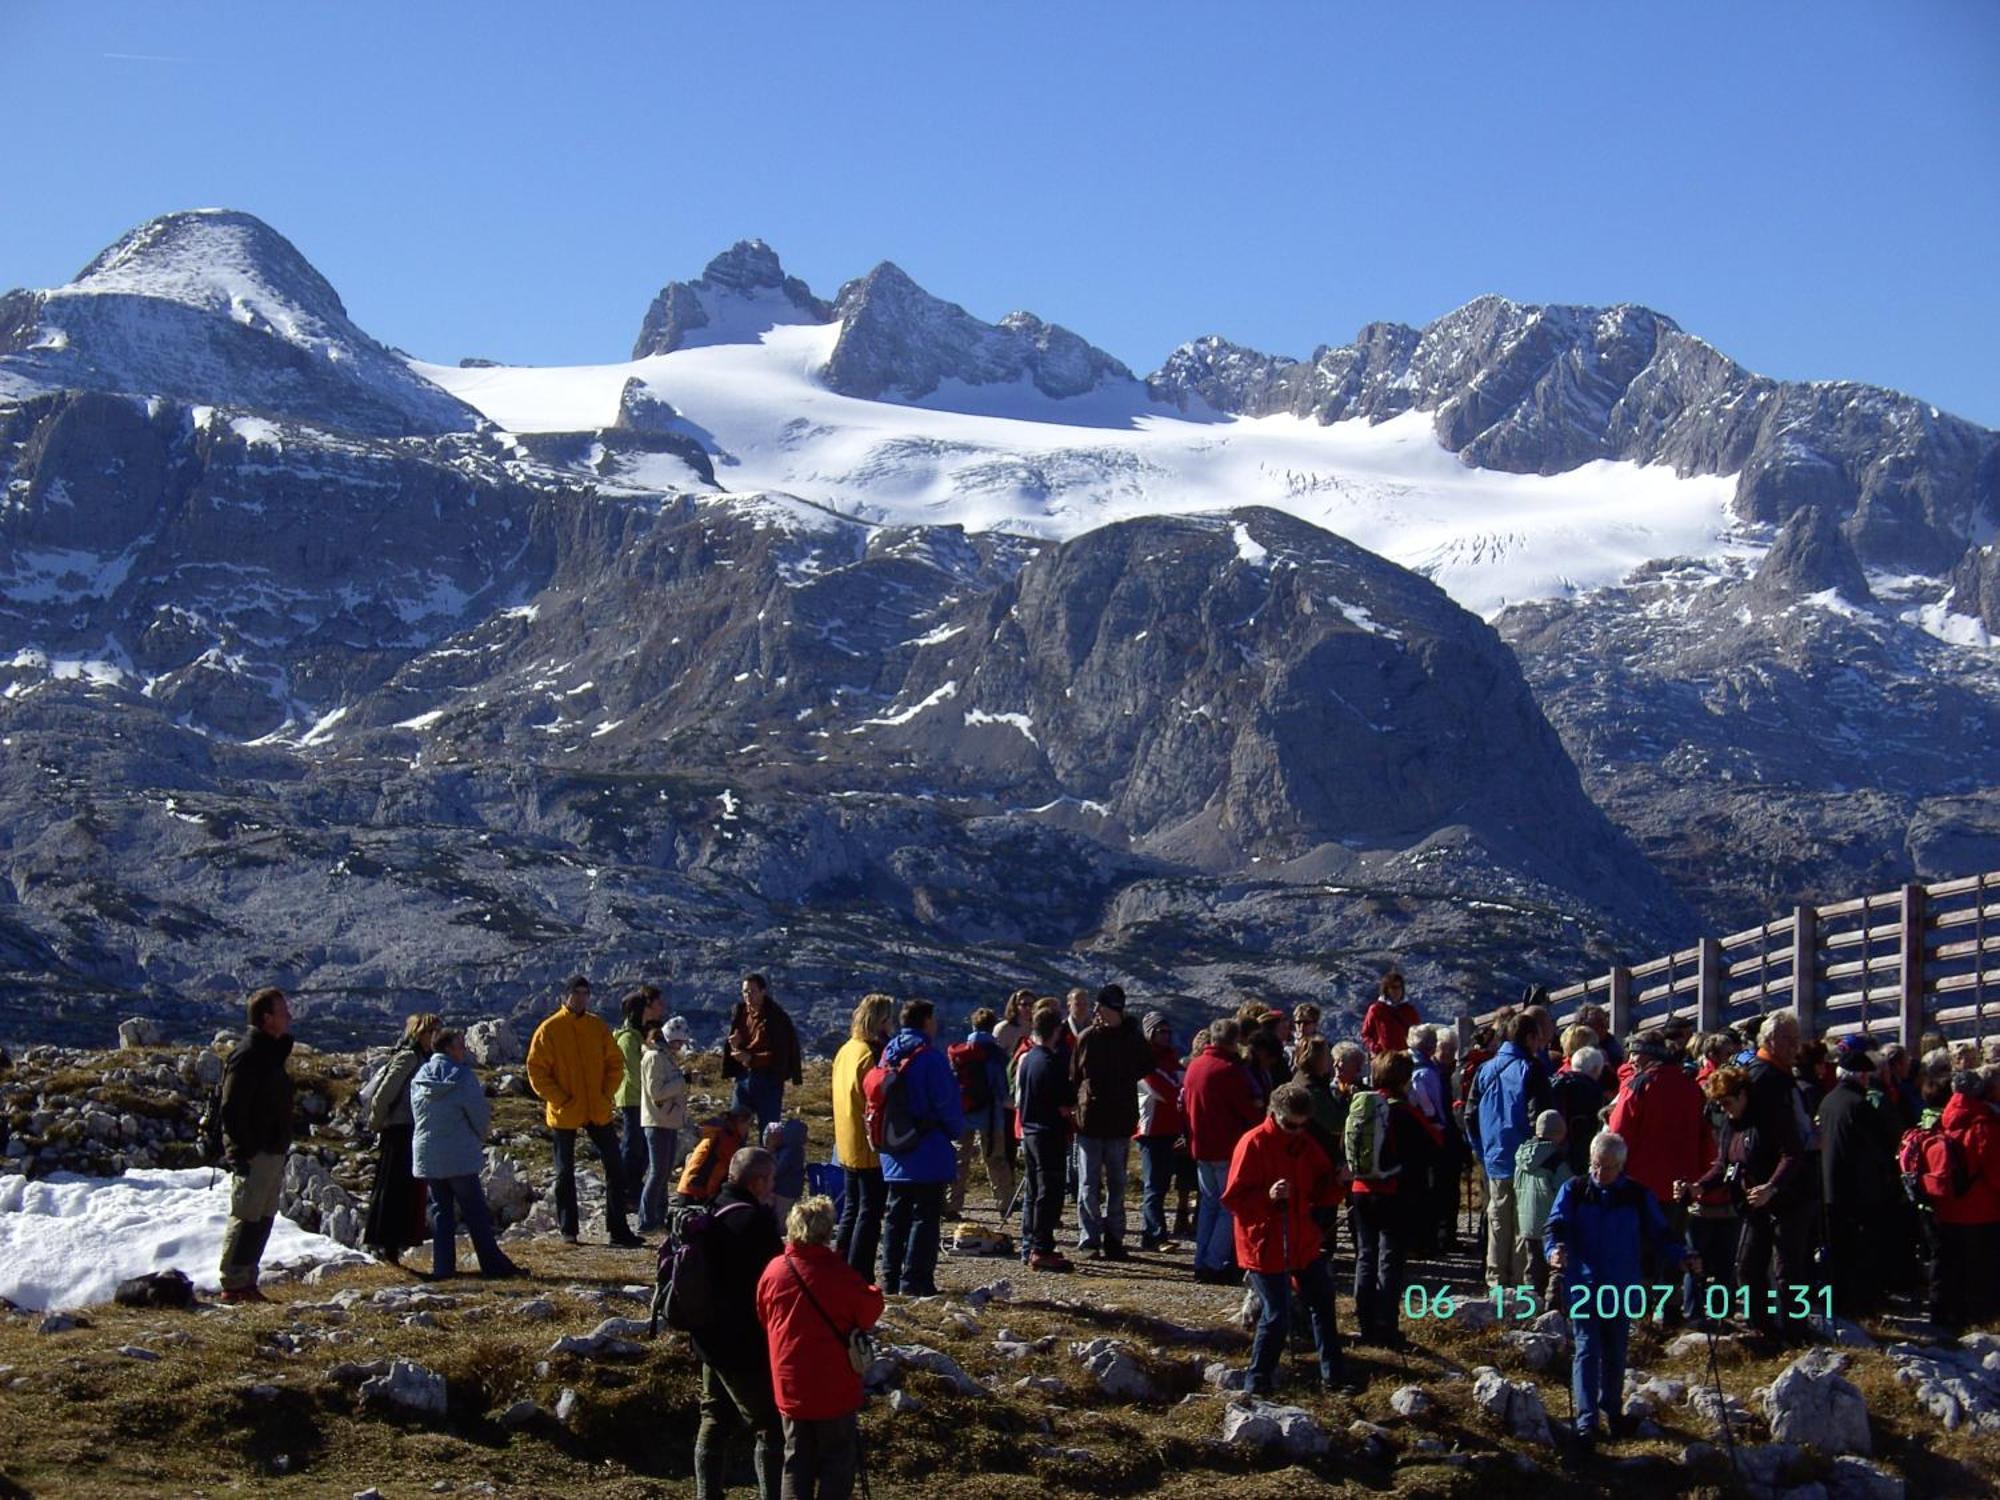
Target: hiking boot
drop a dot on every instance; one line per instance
(236, 1296)
(1116, 1252)
(507, 1272)
(1049, 1260)
(569, 1236)
(627, 1241)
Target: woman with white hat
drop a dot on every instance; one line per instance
(662, 1111)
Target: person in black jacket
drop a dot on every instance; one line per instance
(396, 1197)
(1045, 1104)
(735, 1356)
(1858, 1163)
(257, 1132)
(1779, 1204)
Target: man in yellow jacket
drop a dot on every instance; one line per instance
(575, 1068)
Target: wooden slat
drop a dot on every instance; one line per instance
(1843, 909)
(1958, 1013)
(1946, 952)
(1960, 886)
(1780, 928)
(1880, 995)
(1881, 933)
(1963, 916)
(1885, 898)
(1754, 965)
(1953, 983)
(1780, 992)
(1649, 969)
(1887, 964)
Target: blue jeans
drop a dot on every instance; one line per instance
(451, 1199)
(763, 1093)
(1104, 1171)
(860, 1233)
(1214, 1228)
(1598, 1373)
(1275, 1323)
(632, 1153)
(660, 1144)
(1156, 1163)
(910, 1237)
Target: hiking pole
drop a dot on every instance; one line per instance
(1721, 1400)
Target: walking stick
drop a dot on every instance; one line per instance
(1721, 1400)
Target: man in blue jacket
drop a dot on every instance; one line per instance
(919, 1178)
(448, 1150)
(1510, 1092)
(1596, 1237)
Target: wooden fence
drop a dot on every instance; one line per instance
(1890, 966)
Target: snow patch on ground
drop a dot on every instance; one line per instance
(1945, 623)
(67, 1241)
(1019, 721)
(949, 690)
(1248, 548)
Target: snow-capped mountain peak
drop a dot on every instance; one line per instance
(743, 294)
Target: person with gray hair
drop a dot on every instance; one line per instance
(813, 1304)
(735, 1358)
(1597, 1234)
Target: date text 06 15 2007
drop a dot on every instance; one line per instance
(1624, 1301)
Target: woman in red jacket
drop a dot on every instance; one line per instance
(1968, 1223)
(1385, 1026)
(1277, 1177)
(811, 1302)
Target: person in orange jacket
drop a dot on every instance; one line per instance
(1277, 1177)
(575, 1067)
(812, 1303)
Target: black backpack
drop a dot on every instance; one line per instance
(684, 1281)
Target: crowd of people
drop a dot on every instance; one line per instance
(1764, 1178)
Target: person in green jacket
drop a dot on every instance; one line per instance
(643, 1007)
(1541, 1167)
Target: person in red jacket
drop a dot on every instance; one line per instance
(1385, 1027)
(1221, 1105)
(1968, 1223)
(1277, 1177)
(1662, 1116)
(811, 1302)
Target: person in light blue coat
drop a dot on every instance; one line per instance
(448, 1151)
(1508, 1093)
(919, 1177)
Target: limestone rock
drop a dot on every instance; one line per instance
(1116, 1369)
(1411, 1401)
(494, 1044)
(1514, 1404)
(406, 1387)
(140, 1031)
(1248, 1422)
(1812, 1403)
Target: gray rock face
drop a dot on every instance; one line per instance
(217, 307)
(1810, 556)
(743, 292)
(406, 1387)
(1811, 1403)
(1514, 1404)
(1250, 1423)
(140, 1031)
(494, 1044)
(1545, 389)
(1116, 1369)
(897, 340)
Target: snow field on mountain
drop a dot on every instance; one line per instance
(67, 1241)
(1021, 461)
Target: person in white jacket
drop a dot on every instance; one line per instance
(663, 1096)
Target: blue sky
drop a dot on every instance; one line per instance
(1814, 188)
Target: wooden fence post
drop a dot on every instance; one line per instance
(1708, 986)
(1911, 978)
(1805, 968)
(1620, 993)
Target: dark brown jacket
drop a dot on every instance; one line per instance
(1107, 1065)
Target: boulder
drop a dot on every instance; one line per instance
(1812, 1403)
(892, 1359)
(1411, 1401)
(406, 1387)
(523, 1413)
(568, 1403)
(597, 1346)
(1858, 1479)
(1251, 1423)
(494, 1044)
(1223, 1376)
(140, 1031)
(1514, 1404)
(1540, 1351)
(207, 1068)
(1116, 1369)
(1761, 1465)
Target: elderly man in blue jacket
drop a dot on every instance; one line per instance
(1596, 1237)
(919, 1177)
(448, 1150)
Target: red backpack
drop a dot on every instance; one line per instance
(969, 1062)
(886, 1107)
(1933, 1165)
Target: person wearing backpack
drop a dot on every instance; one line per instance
(921, 1118)
(1390, 1147)
(1110, 1060)
(813, 1304)
(451, 1113)
(1968, 1217)
(257, 1132)
(1541, 1167)
(863, 1196)
(1662, 1117)
(1045, 1103)
(980, 1065)
(1509, 1093)
(1779, 1212)
(396, 1197)
(1279, 1180)
(575, 1068)
(739, 1241)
